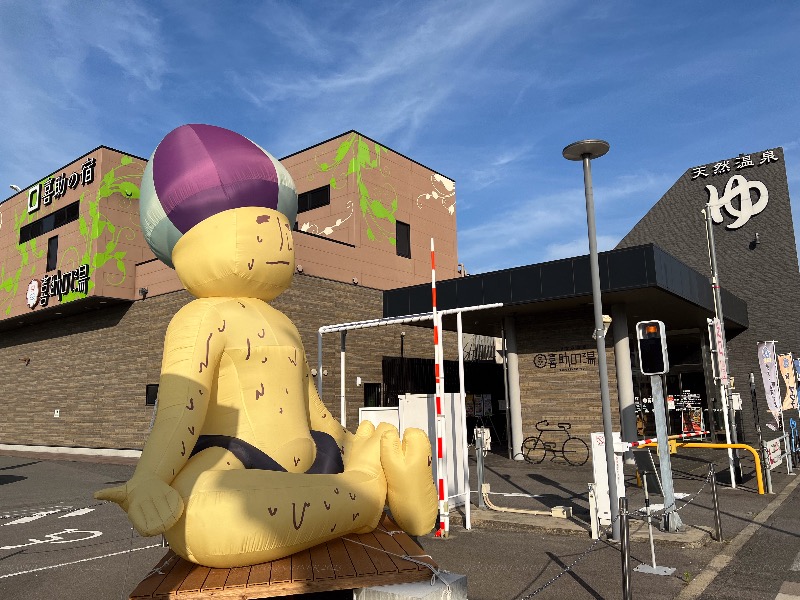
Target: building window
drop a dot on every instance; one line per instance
(314, 199)
(46, 224)
(403, 239)
(372, 394)
(52, 253)
(151, 394)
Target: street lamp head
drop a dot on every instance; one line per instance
(590, 149)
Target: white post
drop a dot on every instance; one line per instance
(343, 418)
(462, 392)
(319, 363)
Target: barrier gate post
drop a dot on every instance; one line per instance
(625, 548)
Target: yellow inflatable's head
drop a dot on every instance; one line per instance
(243, 252)
(220, 210)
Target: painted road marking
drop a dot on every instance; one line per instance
(796, 564)
(77, 513)
(75, 562)
(790, 590)
(698, 585)
(55, 538)
(32, 517)
(30, 511)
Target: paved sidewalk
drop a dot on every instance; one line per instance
(511, 555)
(521, 485)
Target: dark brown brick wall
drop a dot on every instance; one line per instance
(94, 367)
(564, 392)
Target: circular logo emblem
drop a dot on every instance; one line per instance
(33, 293)
(540, 361)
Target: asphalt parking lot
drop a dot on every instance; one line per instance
(56, 541)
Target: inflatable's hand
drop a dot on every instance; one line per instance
(152, 505)
(363, 450)
(411, 493)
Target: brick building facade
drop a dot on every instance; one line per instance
(85, 344)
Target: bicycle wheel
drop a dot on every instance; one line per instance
(575, 451)
(533, 450)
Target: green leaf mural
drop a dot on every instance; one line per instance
(90, 230)
(377, 216)
(93, 255)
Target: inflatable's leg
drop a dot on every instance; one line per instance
(236, 517)
(411, 493)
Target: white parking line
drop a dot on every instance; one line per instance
(32, 517)
(796, 564)
(77, 513)
(74, 562)
(30, 511)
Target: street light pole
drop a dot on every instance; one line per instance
(585, 151)
(727, 410)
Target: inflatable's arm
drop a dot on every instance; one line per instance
(192, 350)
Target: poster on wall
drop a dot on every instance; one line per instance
(487, 405)
(786, 366)
(469, 405)
(769, 374)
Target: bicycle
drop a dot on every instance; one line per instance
(574, 450)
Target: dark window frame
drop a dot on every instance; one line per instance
(150, 394)
(52, 254)
(312, 199)
(48, 223)
(403, 243)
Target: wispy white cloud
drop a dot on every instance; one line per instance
(578, 246)
(399, 67)
(60, 63)
(544, 228)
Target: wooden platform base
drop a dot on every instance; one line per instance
(340, 564)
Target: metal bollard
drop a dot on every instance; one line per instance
(715, 502)
(624, 532)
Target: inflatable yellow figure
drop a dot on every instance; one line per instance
(244, 463)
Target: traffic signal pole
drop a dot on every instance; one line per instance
(651, 337)
(672, 521)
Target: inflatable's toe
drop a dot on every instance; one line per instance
(411, 492)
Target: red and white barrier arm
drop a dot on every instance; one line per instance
(438, 366)
(682, 436)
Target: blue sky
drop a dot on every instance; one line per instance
(487, 93)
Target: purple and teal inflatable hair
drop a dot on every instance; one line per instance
(198, 171)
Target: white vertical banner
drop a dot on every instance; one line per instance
(786, 366)
(719, 342)
(769, 374)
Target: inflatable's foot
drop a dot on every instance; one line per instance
(411, 493)
(363, 454)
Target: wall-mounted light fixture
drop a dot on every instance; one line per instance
(16, 188)
(355, 280)
(313, 372)
(606, 325)
(143, 292)
(299, 268)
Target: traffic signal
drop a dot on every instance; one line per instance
(652, 339)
